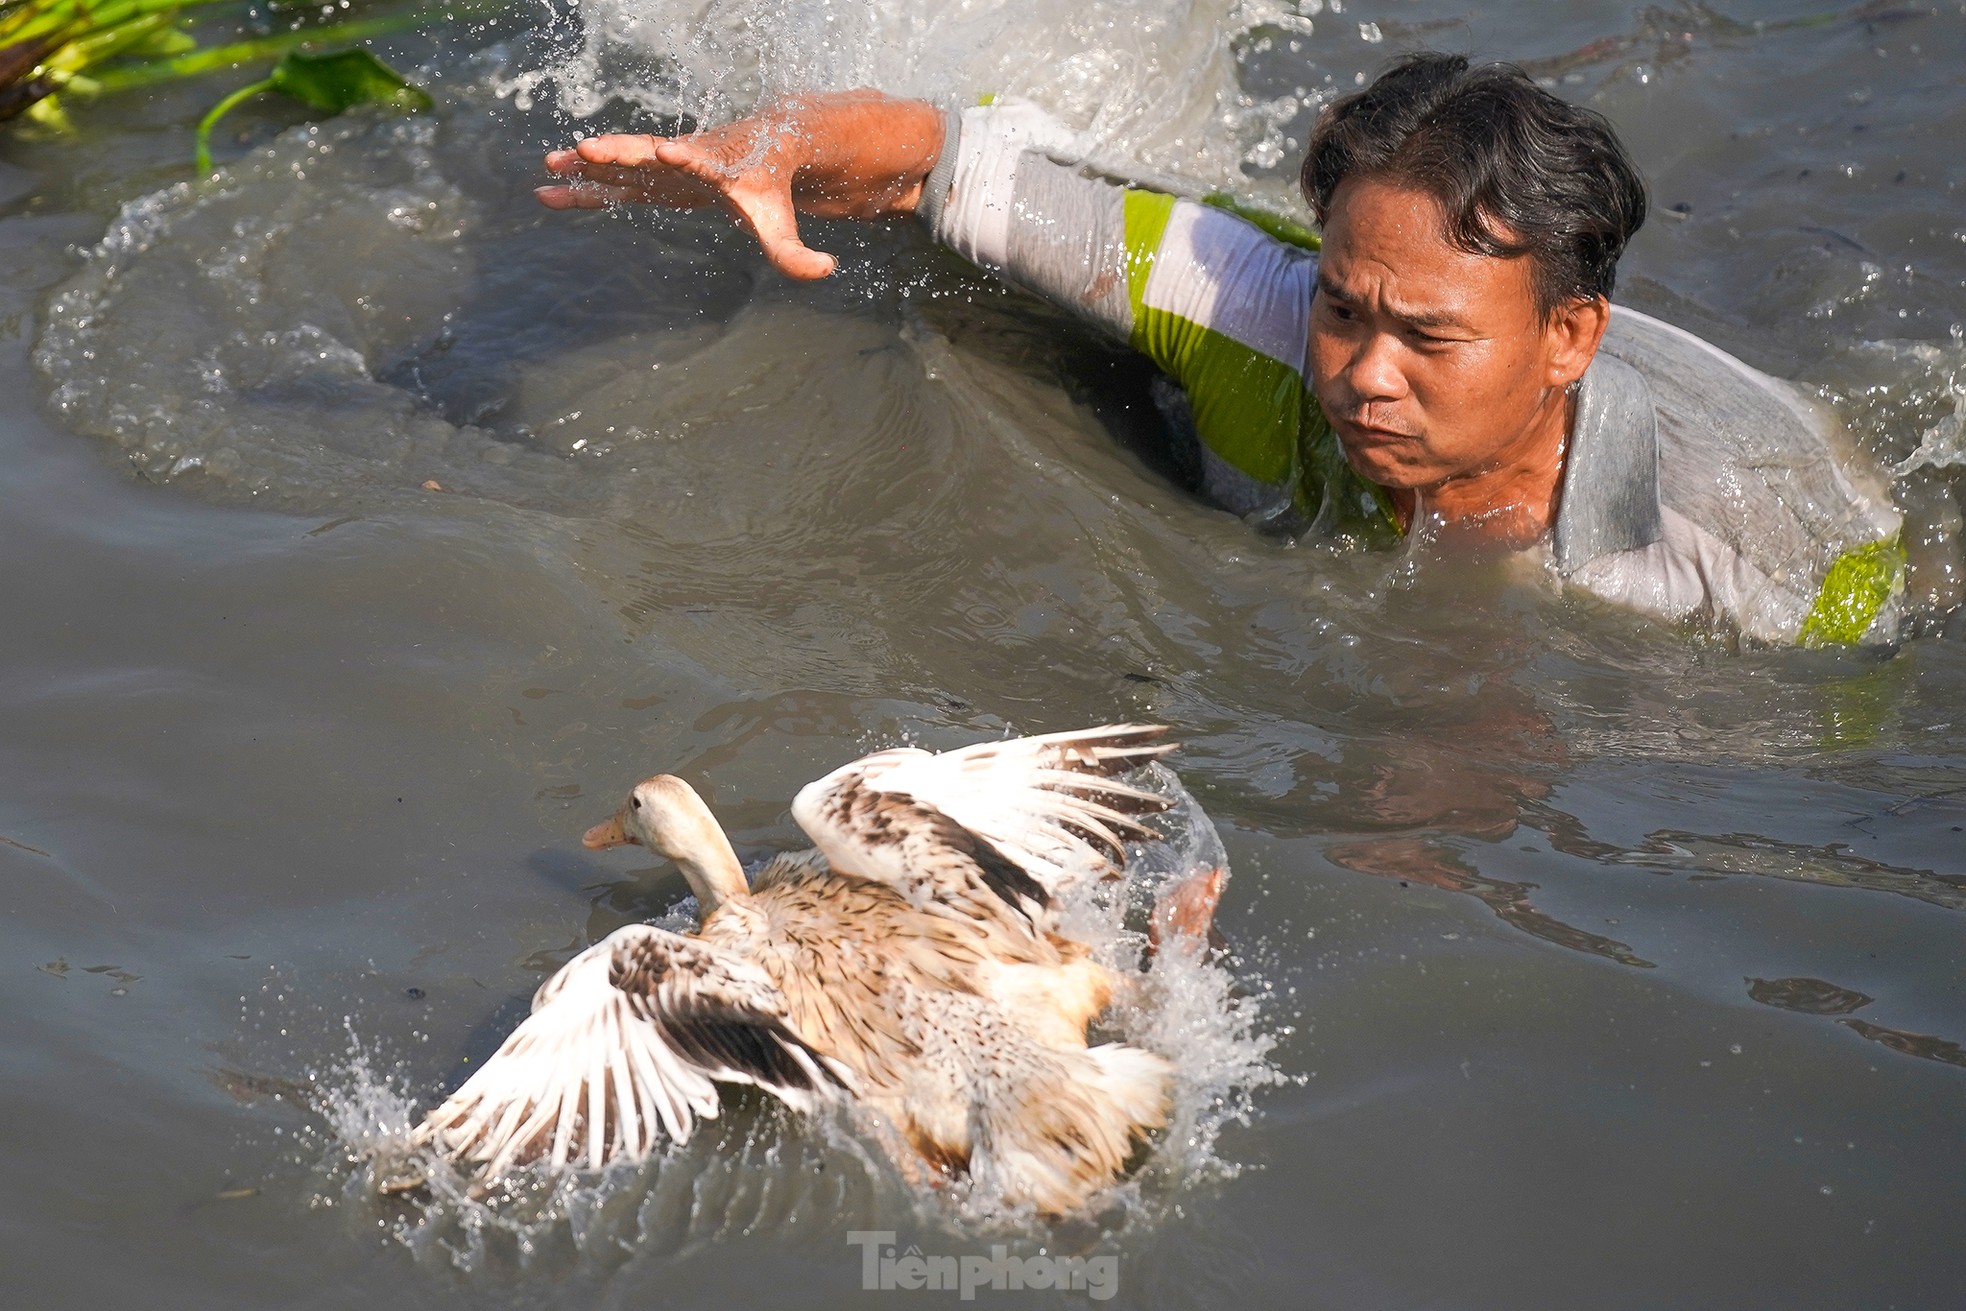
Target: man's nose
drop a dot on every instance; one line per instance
(1374, 372)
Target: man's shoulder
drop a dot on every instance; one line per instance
(1693, 379)
(1745, 453)
(1760, 490)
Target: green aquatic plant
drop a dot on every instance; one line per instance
(330, 83)
(50, 49)
(46, 44)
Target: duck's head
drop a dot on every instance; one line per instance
(664, 814)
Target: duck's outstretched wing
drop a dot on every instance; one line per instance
(627, 1041)
(995, 829)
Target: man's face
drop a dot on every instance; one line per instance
(1431, 363)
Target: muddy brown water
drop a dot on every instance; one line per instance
(1606, 965)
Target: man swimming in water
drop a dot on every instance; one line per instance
(1448, 361)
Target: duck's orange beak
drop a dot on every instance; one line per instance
(607, 833)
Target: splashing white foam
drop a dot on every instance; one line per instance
(1943, 443)
(1154, 81)
(368, 1109)
(1194, 1005)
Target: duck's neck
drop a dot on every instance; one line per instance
(682, 828)
(713, 873)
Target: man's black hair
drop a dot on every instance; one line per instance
(1516, 170)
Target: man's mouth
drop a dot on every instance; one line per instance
(1368, 432)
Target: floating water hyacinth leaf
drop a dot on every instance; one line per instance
(331, 83)
(340, 81)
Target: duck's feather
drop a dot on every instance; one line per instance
(992, 831)
(629, 1040)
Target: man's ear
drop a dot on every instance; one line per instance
(1571, 339)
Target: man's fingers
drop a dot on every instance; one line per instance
(797, 260)
(773, 223)
(759, 195)
(626, 150)
(694, 158)
(582, 195)
(684, 171)
(576, 169)
(566, 164)
(650, 183)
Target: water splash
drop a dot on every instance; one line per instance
(1905, 402)
(1155, 82)
(1203, 1009)
(1941, 375)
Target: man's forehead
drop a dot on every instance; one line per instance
(1384, 291)
(1387, 242)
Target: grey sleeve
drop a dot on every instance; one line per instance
(935, 189)
(1067, 243)
(998, 199)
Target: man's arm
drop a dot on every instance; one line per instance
(859, 154)
(1151, 268)
(1219, 305)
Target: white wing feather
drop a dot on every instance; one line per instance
(1008, 824)
(627, 1041)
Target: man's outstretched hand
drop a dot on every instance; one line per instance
(856, 154)
(728, 166)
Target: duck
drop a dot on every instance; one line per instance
(912, 966)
